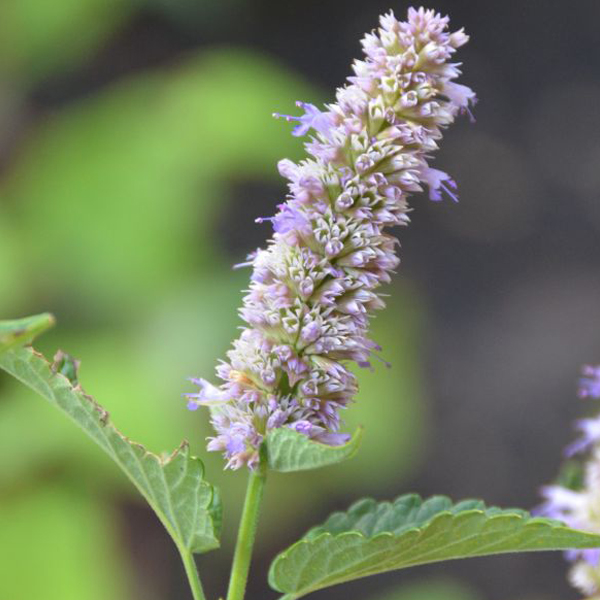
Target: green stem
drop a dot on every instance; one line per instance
(246, 534)
(192, 574)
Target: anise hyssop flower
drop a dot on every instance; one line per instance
(312, 289)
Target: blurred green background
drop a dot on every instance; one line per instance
(136, 149)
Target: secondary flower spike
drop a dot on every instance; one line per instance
(312, 289)
(580, 508)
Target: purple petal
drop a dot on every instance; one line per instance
(312, 118)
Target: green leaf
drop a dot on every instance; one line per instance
(22, 331)
(188, 506)
(292, 451)
(376, 537)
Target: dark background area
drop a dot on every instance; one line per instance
(499, 296)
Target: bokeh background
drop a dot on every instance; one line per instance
(137, 148)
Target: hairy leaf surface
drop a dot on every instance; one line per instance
(292, 451)
(174, 486)
(376, 537)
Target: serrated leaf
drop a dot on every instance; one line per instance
(374, 538)
(22, 331)
(188, 506)
(289, 451)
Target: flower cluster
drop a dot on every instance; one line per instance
(312, 289)
(580, 508)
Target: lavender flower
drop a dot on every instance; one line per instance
(581, 509)
(589, 384)
(589, 387)
(590, 435)
(312, 289)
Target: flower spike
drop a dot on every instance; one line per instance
(314, 287)
(580, 508)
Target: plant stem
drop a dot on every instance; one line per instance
(246, 534)
(192, 574)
